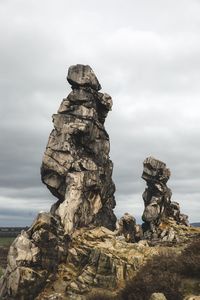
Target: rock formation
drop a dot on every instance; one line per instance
(129, 229)
(97, 259)
(157, 296)
(76, 167)
(77, 170)
(34, 257)
(74, 249)
(157, 200)
(100, 260)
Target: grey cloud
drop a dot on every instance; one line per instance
(39, 192)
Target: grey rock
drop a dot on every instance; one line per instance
(106, 100)
(157, 296)
(76, 167)
(168, 236)
(151, 212)
(83, 76)
(97, 260)
(155, 170)
(183, 219)
(129, 229)
(171, 235)
(32, 257)
(157, 201)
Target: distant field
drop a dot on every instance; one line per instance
(197, 224)
(7, 236)
(6, 241)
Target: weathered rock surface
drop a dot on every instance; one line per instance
(128, 228)
(157, 201)
(81, 75)
(97, 259)
(157, 296)
(33, 257)
(76, 167)
(100, 260)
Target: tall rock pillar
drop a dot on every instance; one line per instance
(157, 199)
(76, 167)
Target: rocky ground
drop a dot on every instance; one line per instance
(99, 260)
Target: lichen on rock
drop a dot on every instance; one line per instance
(128, 228)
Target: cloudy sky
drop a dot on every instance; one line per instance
(146, 55)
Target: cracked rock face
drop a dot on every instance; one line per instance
(80, 75)
(157, 200)
(97, 259)
(33, 256)
(128, 228)
(76, 167)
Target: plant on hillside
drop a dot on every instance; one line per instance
(162, 273)
(190, 259)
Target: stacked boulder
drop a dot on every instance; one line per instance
(128, 228)
(157, 200)
(76, 167)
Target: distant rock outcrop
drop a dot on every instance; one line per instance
(76, 167)
(128, 228)
(157, 200)
(157, 296)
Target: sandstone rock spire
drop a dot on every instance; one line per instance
(76, 167)
(157, 199)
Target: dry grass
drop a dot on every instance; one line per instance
(190, 260)
(100, 296)
(163, 273)
(158, 275)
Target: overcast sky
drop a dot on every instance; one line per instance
(146, 55)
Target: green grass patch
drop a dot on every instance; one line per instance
(6, 241)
